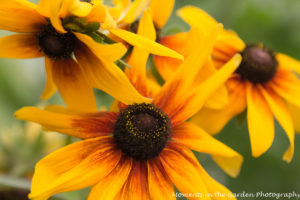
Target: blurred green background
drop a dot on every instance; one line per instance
(275, 23)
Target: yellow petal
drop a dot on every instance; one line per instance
(136, 9)
(197, 17)
(218, 99)
(161, 11)
(214, 187)
(109, 187)
(20, 16)
(70, 122)
(80, 9)
(197, 139)
(213, 120)
(19, 46)
(111, 52)
(50, 87)
(180, 84)
(145, 43)
(51, 9)
(139, 57)
(73, 85)
(108, 77)
(288, 62)
(295, 113)
(203, 91)
(260, 122)
(183, 169)
(97, 14)
(74, 167)
(281, 113)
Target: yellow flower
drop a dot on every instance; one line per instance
(262, 83)
(138, 151)
(74, 78)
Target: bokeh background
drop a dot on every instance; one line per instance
(275, 23)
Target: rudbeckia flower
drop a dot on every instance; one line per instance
(142, 149)
(263, 83)
(74, 62)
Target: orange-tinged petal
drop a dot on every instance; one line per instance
(205, 90)
(213, 120)
(160, 185)
(50, 87)
(108, 77)
(20, 16)
(109, 187)
(281, 113)
(136, 186)
(287, 85)
(74, 123)
(197, 17)
(181, 82)
(73, 85)
(183, 169)
(138, 181)
(111, 52)
(135, 10)
(197, 139)
(288, 62)
(97, 14)
(63, 160)
(44, 7)
(177, 42)
(161, 11)
(260, 121)
(145, 43)
(73, 169)
(19, 46)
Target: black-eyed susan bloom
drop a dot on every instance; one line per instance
(74, 62)
(263, 83)
(140, 150)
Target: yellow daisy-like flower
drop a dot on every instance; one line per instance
(74, 77)
(262, 83)
(141, 150)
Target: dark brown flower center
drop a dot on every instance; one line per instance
(142, 131)
(258, 65)
(56, 45)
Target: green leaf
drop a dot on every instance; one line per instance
(91, 27)
(96, 37)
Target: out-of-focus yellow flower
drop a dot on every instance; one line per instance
(74, 78)
(262, 84)
(140, 150)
